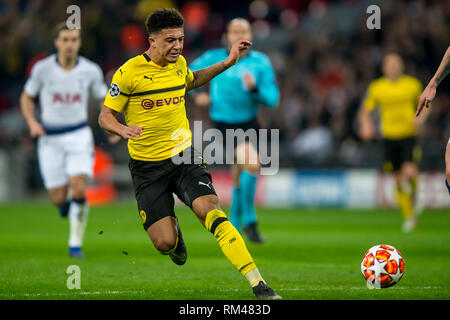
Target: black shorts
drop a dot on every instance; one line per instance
(155, 182)
(252, 124)
(397, 152)
(247, 136)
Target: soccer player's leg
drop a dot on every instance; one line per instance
(408, 156)
(231, 243)
(156, 208)
(236, 198)
(166, 237)
(247, 158)
(236, 207)
(52, 168)
(79, 153)
(408, 182)
(195, 189)
(58, 196)
(78, 214)
(394, 157)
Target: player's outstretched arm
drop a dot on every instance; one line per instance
(27, 107)
(429, 93)
(108, 121)
(202, 76)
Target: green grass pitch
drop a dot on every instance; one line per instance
(309, 254)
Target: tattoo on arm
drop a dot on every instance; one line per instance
(443, 74)
(444, 67)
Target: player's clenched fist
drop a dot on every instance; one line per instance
(131, 132)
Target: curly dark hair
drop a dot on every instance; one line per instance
(164, 18)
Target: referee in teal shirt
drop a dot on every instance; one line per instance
(234, 98)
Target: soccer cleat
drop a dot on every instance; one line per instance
(409, 224)
(253, 234)
(263, 291)
(75, 252)
(179, 256)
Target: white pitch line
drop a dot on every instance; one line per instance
(118, 292)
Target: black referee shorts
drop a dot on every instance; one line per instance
(397, 152)
(155, 182)
(252, 124)
(222, 127)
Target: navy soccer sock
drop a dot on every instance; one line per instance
(64, 209)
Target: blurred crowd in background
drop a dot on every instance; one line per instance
(323, 54)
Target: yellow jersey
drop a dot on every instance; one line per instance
(152, 97)
(397, 102)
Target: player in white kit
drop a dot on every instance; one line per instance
(63, 82)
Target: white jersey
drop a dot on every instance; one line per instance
(63, 95)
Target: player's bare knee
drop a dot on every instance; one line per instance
(58, 196)
(164, 244)
(236, 170)
(409, 171)
(58, 200)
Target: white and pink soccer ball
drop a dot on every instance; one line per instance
(382, 266)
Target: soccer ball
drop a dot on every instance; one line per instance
(382, 266)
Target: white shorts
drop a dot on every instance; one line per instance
(65, 155)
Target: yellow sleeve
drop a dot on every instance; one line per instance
(189, 76)
(370, 102)
(120, 90)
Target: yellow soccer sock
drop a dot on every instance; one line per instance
(231, 242)
(405, 202)
(254, 277)
(413, 183)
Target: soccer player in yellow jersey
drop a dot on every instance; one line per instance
(428, 96)
(396, 95)
(149, 89)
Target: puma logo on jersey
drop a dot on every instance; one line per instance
(205, 184)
